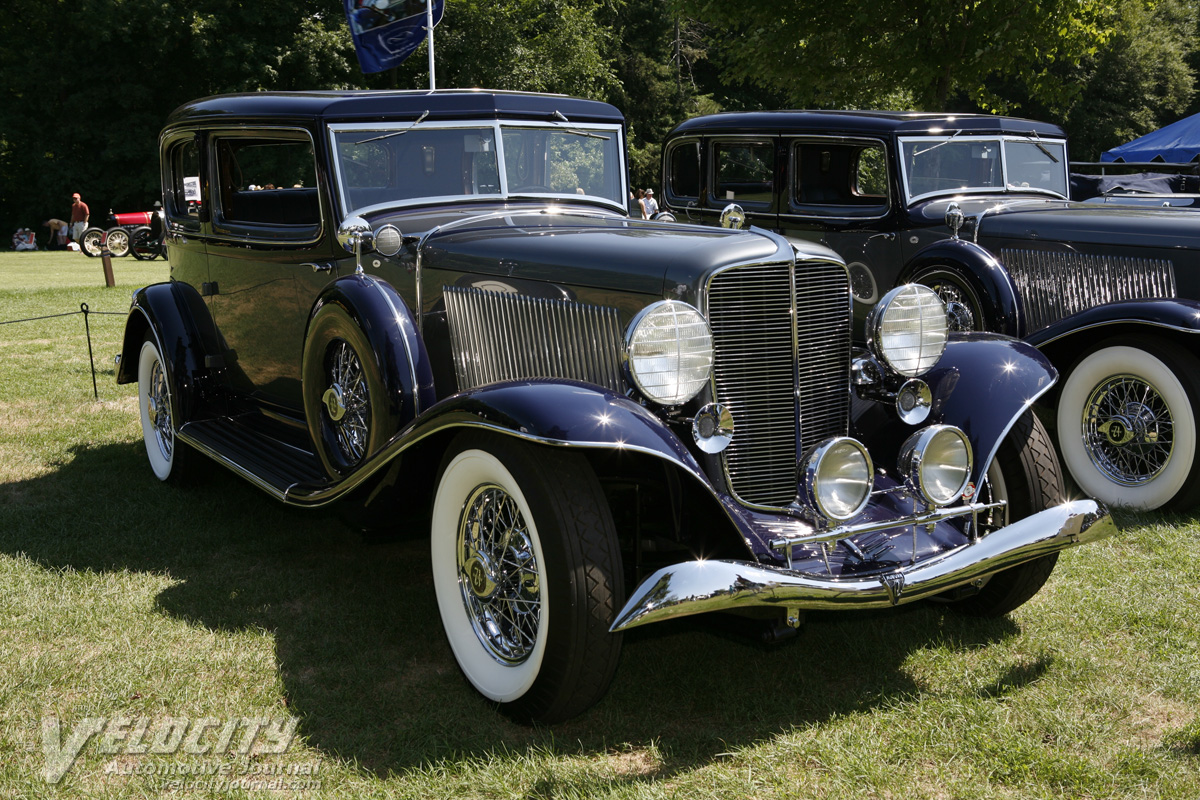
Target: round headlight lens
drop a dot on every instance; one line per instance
(936, 463)
(670, 352)
(908, 329)
(838, 478)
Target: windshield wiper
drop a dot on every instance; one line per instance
(936, 146)
(589, 134)
(1037, 142)
(418, 121)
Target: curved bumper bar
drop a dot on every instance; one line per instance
(695, 587)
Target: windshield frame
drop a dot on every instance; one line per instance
(614, 131)
(1004, 140)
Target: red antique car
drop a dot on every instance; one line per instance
(136, 232)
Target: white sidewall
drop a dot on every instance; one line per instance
(160, 463)
(494, 680)
(1092, 371)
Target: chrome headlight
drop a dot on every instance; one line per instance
(670, 352)
(936, 463)
(907, 330)
(837, 478)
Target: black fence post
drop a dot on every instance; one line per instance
(83, 307)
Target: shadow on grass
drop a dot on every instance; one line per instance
(359, 646)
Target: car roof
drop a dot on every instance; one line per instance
(376, 105)
(879, 123)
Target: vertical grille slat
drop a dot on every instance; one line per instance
(498, 336)
(1055, 285)
(756, 312)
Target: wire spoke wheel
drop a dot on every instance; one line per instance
(159, 410)
(348, 401)
(498, 573)
(1128, 430)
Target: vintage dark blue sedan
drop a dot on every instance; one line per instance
(435, 306)
(975, 206)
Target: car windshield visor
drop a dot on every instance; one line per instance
(407, 163)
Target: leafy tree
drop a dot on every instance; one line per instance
(85, 87)
(923, 50)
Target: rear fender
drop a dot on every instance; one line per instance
(178, 318)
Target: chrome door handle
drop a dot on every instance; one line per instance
(319, 267)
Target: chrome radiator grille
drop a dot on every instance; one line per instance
(1056, 285)
(497, 336)
(757, 313)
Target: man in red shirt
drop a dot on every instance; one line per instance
(79, 216)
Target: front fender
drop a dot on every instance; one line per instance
(980, 269)
(1181, 316)
(551, 412)
(983, 383)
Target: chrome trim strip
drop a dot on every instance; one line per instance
(1122, 321)
(694, 587)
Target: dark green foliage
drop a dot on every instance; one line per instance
(85, 86)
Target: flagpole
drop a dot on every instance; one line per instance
(429, 28)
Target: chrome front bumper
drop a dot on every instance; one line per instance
(695, 587)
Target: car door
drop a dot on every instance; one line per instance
(268, 255)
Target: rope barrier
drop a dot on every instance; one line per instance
(87, 328)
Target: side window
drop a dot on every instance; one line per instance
(266, 186)
(683, 171)
(839, 179)
(744, 173)
(183, 183)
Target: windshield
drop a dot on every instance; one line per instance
(407, 163)
(952, 165)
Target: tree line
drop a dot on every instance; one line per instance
(85, 86)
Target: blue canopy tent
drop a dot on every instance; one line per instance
(1177, 143)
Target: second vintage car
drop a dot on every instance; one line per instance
(439, 308)
(975, 206)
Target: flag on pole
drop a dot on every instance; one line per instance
(388, 31)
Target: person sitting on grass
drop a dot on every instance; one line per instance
(23, 240)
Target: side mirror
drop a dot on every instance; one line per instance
(733, 217)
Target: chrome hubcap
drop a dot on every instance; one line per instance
(497, 573)
(347, 401)
(1127, 430)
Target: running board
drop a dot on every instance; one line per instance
(270, 464)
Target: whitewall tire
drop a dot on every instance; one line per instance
(526, 571)
(1127, 424)
(167, 455)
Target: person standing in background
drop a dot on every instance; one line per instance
(650, 204)
(641, 201)
(79, 216)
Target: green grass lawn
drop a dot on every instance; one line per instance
(121, 597)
